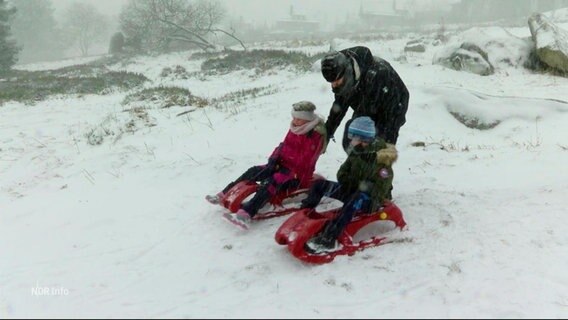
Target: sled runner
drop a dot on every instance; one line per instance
(281, 204)
(306, 223)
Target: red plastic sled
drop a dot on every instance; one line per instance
(306, 223)
(238, 193)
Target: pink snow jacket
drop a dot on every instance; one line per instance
(299, 154)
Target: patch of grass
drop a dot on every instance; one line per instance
(30, 87)
(245, 94)
(233, 100)
(115, 59)
(474, 123)
(178, 72)
(418, 144)
(260, 61)
(298, 43)
(114, 126)
(450, 146)
(164, 97)
(208, 54)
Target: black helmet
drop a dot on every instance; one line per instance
(333, 65)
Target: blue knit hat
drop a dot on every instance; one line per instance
(363, 128)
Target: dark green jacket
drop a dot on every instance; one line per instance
(362, 171)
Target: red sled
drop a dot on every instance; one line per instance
(306, 223)
(242, 190)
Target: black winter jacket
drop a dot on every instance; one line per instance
(379, 94)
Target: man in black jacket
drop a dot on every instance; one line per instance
(370, 86)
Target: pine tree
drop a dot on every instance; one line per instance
(8, 48)
(116, 43)
(35, 30)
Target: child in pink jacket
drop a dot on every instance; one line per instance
(290, 165)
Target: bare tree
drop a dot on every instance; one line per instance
(156, 24)
(85, 25)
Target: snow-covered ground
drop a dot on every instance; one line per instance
(122, 229)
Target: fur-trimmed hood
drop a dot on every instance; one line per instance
(388, 155)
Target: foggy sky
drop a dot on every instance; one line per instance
(261, 12)
(107, 7)
(326, 11)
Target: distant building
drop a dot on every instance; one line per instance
(373, 17)
(489, 10)
(296, 23)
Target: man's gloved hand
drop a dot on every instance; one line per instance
(388, 155)
(328, 138)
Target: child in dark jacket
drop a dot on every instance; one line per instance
(290, 165)
(364, 182)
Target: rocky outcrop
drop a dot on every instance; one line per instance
(468, 57)
(551, 42)
(415, 46)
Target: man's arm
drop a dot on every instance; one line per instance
(344, 172)
(336, 115)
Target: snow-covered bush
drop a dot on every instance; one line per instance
(164, 97)
(260, 61)
(178, 72)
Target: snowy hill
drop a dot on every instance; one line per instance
(121, 229)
